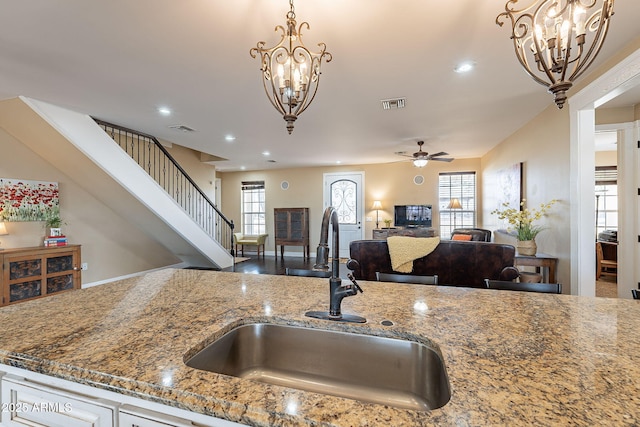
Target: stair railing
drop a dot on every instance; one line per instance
(147, 151)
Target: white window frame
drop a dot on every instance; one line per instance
(461, 186)
(253, 208)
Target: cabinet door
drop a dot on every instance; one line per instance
(59, 273)
(24, 278)
(297, 225)
(282, 224)
(143, 418)
(35, 405)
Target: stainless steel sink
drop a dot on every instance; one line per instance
(389, 371)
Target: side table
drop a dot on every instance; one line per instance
(548, 263)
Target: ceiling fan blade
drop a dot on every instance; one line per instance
(442, 153)
(442, 159)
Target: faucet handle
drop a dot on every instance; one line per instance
(355, 284)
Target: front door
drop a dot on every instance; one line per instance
(344, 192)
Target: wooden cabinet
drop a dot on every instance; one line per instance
(383, 233)
(292, 229)
(37, 272)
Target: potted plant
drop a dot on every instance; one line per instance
(522, 221)
(53, 222)
(387, 222)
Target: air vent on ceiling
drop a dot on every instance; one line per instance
(182, 128)
(391, 104)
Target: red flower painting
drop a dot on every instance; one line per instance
(23, 200)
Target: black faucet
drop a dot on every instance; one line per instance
(337, 292)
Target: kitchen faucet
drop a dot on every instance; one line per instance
(337, 291)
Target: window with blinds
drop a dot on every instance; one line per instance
(253, 208)
(606, 198)
(460, 186)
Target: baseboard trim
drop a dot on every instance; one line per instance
(128, 276)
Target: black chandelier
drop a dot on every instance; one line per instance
(557, 40)
(290, 71)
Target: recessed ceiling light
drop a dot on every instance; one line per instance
(229, 138)
(165, 111)
(266, 153)
(338, 162)
(243, 168)
(464, 67)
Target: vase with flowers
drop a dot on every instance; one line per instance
(521, 223)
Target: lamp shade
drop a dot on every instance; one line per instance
(376, 204)
(454, 204)
(3, 229)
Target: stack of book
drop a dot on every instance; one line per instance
(55, 241)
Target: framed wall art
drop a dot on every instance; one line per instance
(26, 200)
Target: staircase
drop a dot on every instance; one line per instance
(145, 185)
(151, 156)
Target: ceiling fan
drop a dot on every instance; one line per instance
(421, 158)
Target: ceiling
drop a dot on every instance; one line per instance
(120, 60)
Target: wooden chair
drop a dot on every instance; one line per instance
(407, 278)
(306, 273)
(635, 293)
(548, 288)
(604, 266)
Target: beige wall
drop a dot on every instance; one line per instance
(390, 183)
(110, 245)
(543, 146)
(606, 158)
(203, 174)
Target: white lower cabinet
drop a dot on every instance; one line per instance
(137, 417)
(28, 404)
(36, 400)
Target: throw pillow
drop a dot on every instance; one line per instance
(465, 237)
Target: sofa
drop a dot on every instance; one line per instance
(455, 263)
(473, 234)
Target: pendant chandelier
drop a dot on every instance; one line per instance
(290, 71)
(557, 40)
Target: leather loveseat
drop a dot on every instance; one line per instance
(455, 263)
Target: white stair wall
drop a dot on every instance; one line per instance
(74, 143)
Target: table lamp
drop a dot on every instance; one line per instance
(377, 206)
(3, 230)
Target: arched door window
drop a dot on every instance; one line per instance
(344, 200)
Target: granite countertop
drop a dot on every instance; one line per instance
(513, 358)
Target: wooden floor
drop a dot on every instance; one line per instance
(269, 265)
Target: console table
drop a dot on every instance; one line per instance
(383, 233)
(540, 261)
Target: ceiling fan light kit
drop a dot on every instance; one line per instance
(290, 71)
(557, 40)
(421, 158)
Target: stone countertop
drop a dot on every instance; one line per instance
(513, 358)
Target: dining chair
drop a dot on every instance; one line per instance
(635, 293)
(549, 288)
(407, 278)
(307, 273)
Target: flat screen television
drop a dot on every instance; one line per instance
(412, 216)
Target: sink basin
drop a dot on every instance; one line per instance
(395, 372)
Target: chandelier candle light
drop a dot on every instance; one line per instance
(290, 71)
(557, 40)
